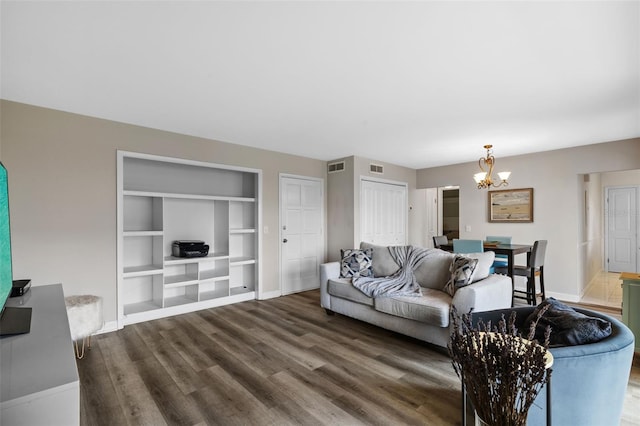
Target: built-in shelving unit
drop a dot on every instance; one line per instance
(163, 199)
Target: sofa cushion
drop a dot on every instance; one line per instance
(355, 263)
(342, 287)
(433, 271)
(483, 268)
(461, 270)
(431, 308)
(382, 262)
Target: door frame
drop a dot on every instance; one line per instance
(606, 224)
(323, 208)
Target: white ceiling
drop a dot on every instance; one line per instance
(418, 84)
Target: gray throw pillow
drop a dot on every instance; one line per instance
(355, 263)
(461, 269)
(383, 264)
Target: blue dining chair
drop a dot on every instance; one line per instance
(470, 246)
(501, 259)
(467, 246)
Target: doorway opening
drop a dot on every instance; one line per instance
(449, 212)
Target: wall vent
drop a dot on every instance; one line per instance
(376, 168)
(335, 167)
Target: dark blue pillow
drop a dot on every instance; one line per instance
(568, 327)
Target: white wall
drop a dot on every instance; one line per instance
(62, 171)
(558, 194)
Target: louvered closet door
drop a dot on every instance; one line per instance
(383, 212)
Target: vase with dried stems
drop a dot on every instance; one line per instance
(502, 371)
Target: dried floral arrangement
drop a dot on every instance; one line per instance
(503, 371)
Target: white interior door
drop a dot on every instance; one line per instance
(301, 233)
(383, 212)
(622, 229)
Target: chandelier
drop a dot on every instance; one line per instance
(483, 178)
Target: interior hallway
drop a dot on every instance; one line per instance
(605, 289)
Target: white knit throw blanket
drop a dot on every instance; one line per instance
(403, 281)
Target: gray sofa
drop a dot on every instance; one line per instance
(425, 317)
(588, 382)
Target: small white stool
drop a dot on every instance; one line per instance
(85, 318)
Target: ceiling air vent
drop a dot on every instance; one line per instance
(376, 168)
(336, 167)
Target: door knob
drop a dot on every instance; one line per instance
(285, 240)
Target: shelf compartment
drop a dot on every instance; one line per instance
(242, 278)
(214, 289)
(239, 290)
(190, 295)
(143, 293)
(142, 213)
(242, 215)
(180, 275)
(142, 255)
(236, 261)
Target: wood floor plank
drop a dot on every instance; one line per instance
(281, 361)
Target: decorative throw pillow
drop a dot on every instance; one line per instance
(461, 269)
(356, 263)
(568, 327)
(483, 269)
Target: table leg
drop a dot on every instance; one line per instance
(464, 402)
(549, 402)
(510, 263)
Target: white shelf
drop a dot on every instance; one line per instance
(236, 261)
(188, 196)
(172, 260)
(134, 308)
(140, 271)
(242, 231)
(142, 234)
(180, 280)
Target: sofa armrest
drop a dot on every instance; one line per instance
(328, 271)
(493, 292)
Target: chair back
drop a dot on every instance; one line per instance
(439, 240)
(537, 254)
(467, 246)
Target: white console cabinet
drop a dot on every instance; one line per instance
(161, 200)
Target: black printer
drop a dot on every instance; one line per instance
(189, 248)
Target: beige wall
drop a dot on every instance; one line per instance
(62, 171)
(558, 198)
(343, 206)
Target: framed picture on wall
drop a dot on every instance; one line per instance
(511, 205)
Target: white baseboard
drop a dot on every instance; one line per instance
(565, 297)
(269, 295)
(108, 327)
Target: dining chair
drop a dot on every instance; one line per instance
(534, 269)
(467, 246)
(501, 259)
(439, 240)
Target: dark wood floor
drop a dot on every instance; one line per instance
(275, 362)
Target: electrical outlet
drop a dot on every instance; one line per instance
(467, 228)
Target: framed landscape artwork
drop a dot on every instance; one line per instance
(511, 205)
